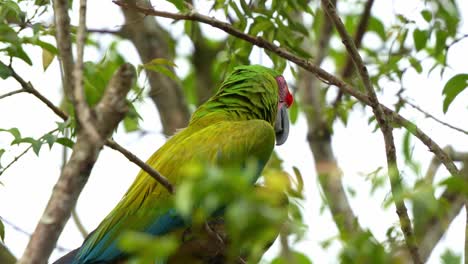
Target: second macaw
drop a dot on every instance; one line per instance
(240, 122)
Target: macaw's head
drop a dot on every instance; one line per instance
(254, 92)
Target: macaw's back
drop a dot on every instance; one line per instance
(235, 125)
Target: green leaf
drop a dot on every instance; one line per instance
(427, 15)
(299, 258)
(14, 132)
(18, 52)
(2, 231)
(378, 27)
(294, 112)
(35, 143)
(415, 64)
(130, 124)
(449, 257)
(159, 65)
(179, 4)
(49, 139)
(260, 24)
(420, 38)
(47, 58)
(5, 72)
(65, 142)
(1, 153)
(407, 145)
(452, 88)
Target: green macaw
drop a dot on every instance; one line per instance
(240, 122)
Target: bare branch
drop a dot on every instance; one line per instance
(12, 93)
(15, 159)
(74, 176)
(83, 112)
(427, 114)
(63, 38)
(110, 143)
(385, 127)
(144, 166)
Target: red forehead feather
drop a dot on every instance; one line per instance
(284, 93)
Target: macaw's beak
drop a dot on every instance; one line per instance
(282, 125)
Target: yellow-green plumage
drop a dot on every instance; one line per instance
(235, 125)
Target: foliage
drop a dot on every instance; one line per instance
(393, 49)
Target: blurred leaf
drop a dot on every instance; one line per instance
(179, 4)
(427, 15)
(294, 112)
(65, 142)
(296, 257)
(47, 58)
(160, 65)
(2, 231)
(5, 72)
(415, 64)
(148, 248)
(44, 45)
(378, 27)
(49, 139)
(18, 52)
(449, 257)
(420, 39)
(452, 88)
(14, 132)
(2, 151)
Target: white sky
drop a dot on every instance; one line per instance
(27, 184)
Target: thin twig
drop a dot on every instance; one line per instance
(12, 93)
(109, 142)
(15, 159)
(320, 73)
(144, 166)
(427, 114)
(385, 127)
(28, 234)
(78, 223)
(83, 112)
(435, 164)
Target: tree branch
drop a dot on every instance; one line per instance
(151, 41)
(320, 73)
(427, 114)
(12, 93)
(385, 127)
(109, 111)
(109, 142)
(63, 38)
(319, 138)
(83, 112)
